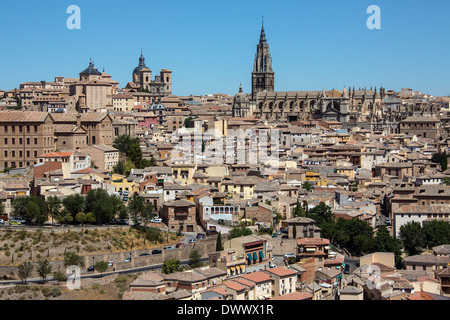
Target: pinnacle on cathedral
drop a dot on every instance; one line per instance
(263, 77)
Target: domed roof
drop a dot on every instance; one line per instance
(91, 69)
(141, 65)
(241, 96)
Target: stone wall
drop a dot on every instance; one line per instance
(204, 247)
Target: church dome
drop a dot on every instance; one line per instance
(141, 65)
(91, 70)
(241, 97)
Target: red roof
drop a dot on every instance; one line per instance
(56, 155)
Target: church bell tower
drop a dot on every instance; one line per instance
(263, 77)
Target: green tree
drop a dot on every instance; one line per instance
(43, 268)
(135, 153)
(80, 218)
(24, 271)
(298, 210)
(412, 238)
(90, 217)
(73, 259)
(384, 242)
(30, 208)
(307, 186)
(136, 207)
(446, 181)
(171, 266)
(53, 206)
(119, 168)
(101, 266)
(195, 259)
(219, 244)
(102, 205)
(436, 233)
(74, 203)
(188, 122)
(123, 143)
(59, 276)
(239, 232)
(441, 159)
(321, 213)
(64, 216)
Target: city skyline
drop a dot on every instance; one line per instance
(210, 47)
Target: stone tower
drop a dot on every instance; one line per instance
(263, 77)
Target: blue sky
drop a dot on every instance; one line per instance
(210, 45)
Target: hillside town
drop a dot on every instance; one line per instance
(334, 194)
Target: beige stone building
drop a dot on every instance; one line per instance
(24, 136)
(104, 157)
(94, 90)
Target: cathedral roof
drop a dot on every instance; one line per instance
(91, 70)
(141, 65)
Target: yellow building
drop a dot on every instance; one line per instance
(122, 184)
(348, 171)
(183, 174)
(312, 176)
(241, 187)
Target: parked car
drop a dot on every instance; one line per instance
(347, 269)
(201, 236)
(127, 260)
(19, 219)
(1, 221)
(211, 232)
(179, 244)
(289, 255)
(169, 248)
(144, 254)
(156, 220)
(156, 251)
(272, 265)
(192, 240)
(14, 222)
(274, 235)
(110, 263)
(91, 268)
(388, 221)
(121, 222)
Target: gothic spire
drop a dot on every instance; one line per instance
(262, 38)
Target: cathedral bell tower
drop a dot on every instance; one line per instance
(263, 77)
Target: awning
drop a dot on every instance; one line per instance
(249, 257)
(255, 256)
(232, 268)
(261, 255)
